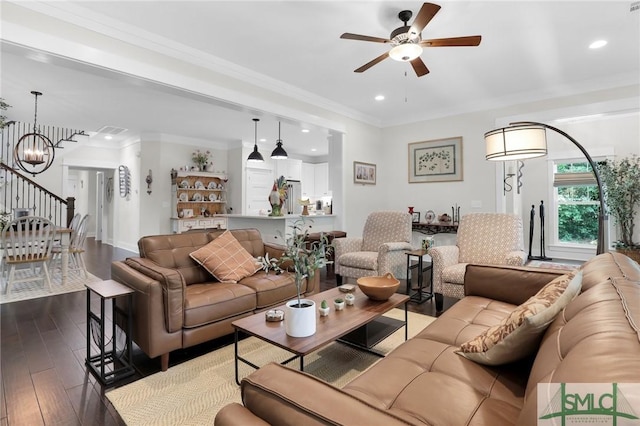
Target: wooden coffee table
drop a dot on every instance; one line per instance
(359, 325)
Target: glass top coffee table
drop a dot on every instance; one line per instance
(360, 325)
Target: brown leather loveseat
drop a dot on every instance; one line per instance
(595, 339)
(178, 304)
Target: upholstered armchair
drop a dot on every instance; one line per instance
(483, 238)
(385, 238)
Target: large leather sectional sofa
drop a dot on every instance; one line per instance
(178, 304)
(595, 339)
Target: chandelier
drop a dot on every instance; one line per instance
(34, 152)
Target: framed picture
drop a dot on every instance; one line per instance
(415, 217)
(187, 213)
(435, 161)
(364, 173)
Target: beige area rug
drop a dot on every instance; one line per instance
(34, 289)
(193, 392)
(552, 265)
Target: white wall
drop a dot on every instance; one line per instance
(362, 142)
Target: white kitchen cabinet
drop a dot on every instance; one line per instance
(290, 168)
(315, 180)
(307, 182)
(321, 180)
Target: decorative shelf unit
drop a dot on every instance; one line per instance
(199, 199)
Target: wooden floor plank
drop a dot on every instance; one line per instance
(91, 408)
(70, 370)
(54, 403)
(20, 395)
(34, 349)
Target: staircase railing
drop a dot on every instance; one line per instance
(19, 191)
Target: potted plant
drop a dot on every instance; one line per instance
(621, 187)
(201, 158)
(338, 303)
(350, 299)
(324, 308)
(5, 218)
(3, 107)
(305, 260)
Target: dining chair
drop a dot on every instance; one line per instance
(76, 248)
(75, 221)
(27, 241)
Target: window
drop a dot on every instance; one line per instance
(577, 204)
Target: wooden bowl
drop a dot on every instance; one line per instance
(379, 288)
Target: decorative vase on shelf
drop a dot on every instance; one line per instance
(209, 168)
(300, 321)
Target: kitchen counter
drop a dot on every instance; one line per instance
(275, 229)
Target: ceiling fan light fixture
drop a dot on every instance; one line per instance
(255, 156)
(279, 153)
(405, 52)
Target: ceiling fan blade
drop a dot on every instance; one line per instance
(452, 41)
(419, 67)
(372, 63)
(364, 38)
(426, 13)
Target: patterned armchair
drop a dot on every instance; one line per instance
(483, 238)
(385, 238)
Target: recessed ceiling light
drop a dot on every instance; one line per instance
(598, 44)
(263, 140)
(379, 98)
(108, 137)
(305, 130)
(313, 150)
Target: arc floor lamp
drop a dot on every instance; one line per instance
(528, 139)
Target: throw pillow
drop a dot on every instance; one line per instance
(519, 333)
(226, 259)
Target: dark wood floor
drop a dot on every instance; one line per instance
(43, 347)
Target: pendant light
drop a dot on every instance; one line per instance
(34, 152)
(255, 156)
(279, 153)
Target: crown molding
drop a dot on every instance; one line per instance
(79, 16)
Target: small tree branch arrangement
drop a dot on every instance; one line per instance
(305, 258)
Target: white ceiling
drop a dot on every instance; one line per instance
(529, 51)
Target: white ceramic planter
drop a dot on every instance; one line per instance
(349, 299)
(300, 322)
(324, 311)
(338, 305)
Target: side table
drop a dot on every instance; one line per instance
(107, 366)
(420, 295)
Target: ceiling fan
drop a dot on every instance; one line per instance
(407, 40)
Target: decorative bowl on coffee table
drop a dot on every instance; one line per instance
(379, 288)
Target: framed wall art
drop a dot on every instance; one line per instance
(435, 161)
(364, 173)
